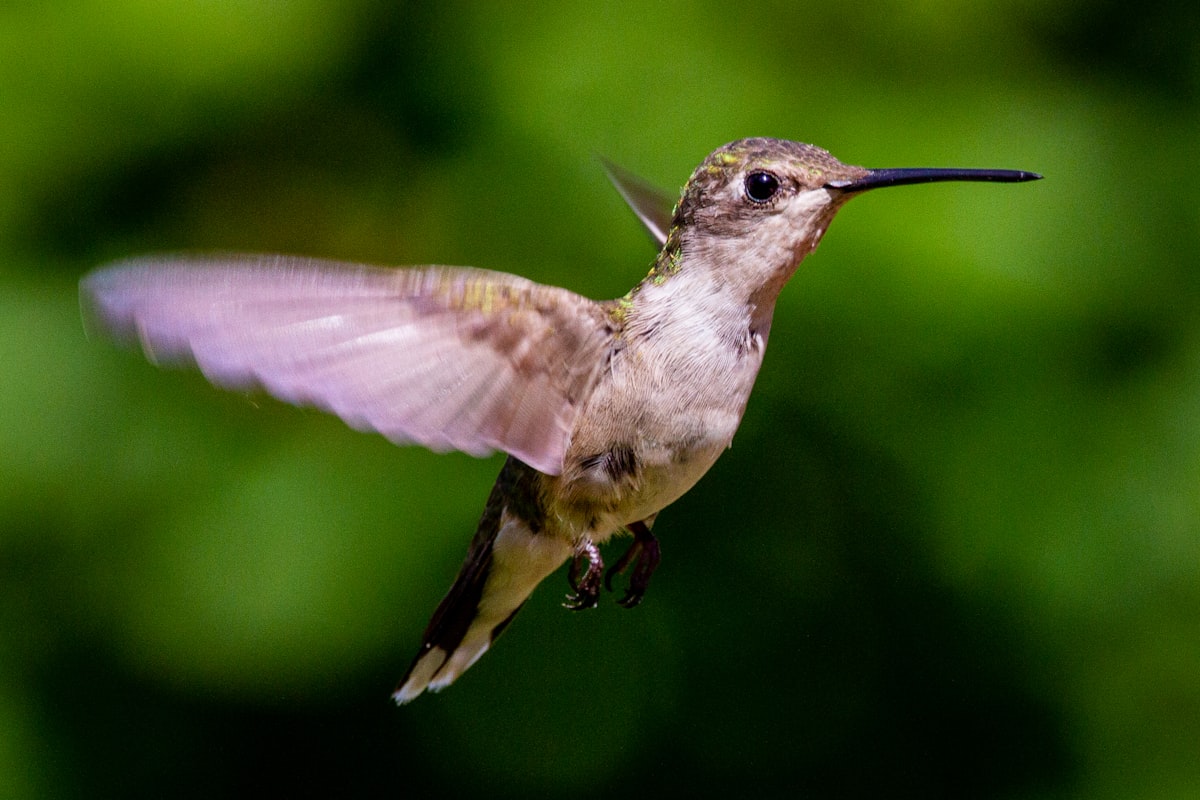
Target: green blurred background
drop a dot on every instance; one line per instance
(955, 550)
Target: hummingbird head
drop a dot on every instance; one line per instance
(764, 204)
(764, 198)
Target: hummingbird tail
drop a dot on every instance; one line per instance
(506, 561)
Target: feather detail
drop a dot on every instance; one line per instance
(450, 358)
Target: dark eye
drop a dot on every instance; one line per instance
(761, 186)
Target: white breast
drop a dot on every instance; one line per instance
(674, 394)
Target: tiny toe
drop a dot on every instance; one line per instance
(631, 599)
(585, 588)
(580, 602)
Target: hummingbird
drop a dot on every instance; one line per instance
(608, 411)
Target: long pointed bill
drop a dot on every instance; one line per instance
(878, 178)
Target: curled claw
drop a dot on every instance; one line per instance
(646, 553)
(586, 589)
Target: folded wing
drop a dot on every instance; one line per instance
(445, 357)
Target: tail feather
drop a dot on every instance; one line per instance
(507, 560)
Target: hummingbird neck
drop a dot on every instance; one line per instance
(686, 299)
(709, 272)
(668, 262)
(665, 266)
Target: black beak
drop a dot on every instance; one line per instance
(878, 178)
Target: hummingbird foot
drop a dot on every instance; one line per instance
(586, 589)
(646, 551)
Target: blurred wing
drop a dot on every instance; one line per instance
(653, 206)
(449, 358)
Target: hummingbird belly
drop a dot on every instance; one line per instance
(609, 492)
(635, 452)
